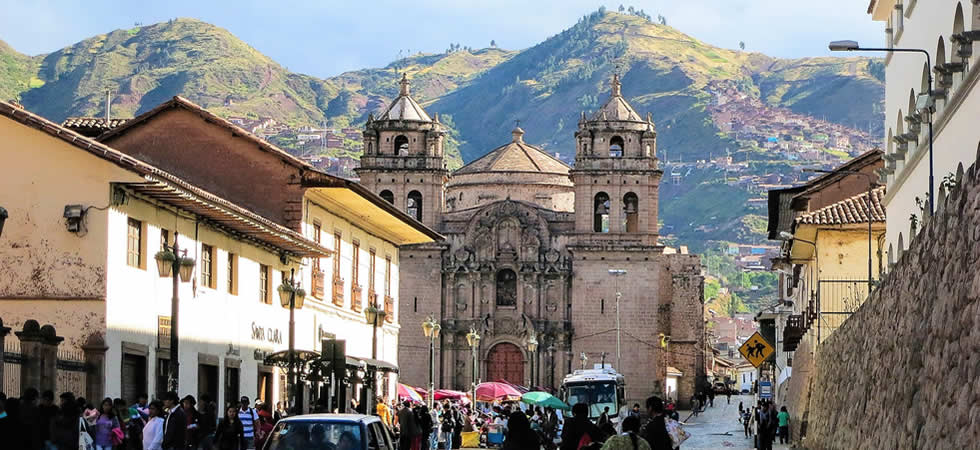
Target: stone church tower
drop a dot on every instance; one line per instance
(403, 158)
(529, 246)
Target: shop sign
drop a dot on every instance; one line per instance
(260, 333)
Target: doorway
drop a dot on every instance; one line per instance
(505, 362)
(232, 390)
(207, 380)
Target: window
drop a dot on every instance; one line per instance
(164, 238)
(371, 265)
(316, 238)
(388, 196)
(387, 276)
(414, 205)
(616, 147)
(631, 212)
(134, 243)
(600, 216)
(401, 145)
(506, 288)
(355, 261)
(232, 272)
(336, 256)
(264, 284)
(207, 266)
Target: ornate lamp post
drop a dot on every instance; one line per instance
(473, 338)
(375, 317)
(291, 296)
(532, 352)
(171, 262)
(431, 328)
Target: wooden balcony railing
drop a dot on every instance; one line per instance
(355, 298)
(319, 283)
(389, 309)
(338, 291)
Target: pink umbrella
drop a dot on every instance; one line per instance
(408, 393)
(488, 392)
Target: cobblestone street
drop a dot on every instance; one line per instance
(718, 427)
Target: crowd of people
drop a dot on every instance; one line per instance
(35, 422)
(765, 424)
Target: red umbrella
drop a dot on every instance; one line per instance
(488, 392)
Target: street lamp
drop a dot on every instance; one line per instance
(172, 261)
(431, 328)
(532, 349)
(473, 339)
(619, 355)
(3, 218)
(375, 317)
(291, 296)
(852, 46)
(871, 185)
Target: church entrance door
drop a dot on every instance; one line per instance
(506, 362)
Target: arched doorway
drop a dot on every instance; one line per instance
(505, 362)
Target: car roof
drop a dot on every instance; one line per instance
(331, 418)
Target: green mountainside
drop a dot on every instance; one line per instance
(16, 72)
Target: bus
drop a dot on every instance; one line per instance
(599, 387)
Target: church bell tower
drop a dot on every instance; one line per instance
(616, 174)
(403, 158)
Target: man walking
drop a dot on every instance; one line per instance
(407, 426)
(247, 416)
(175, 425)
(655, 431)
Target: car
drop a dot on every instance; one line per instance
(331, 432)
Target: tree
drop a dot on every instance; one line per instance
(661, 19)
(741, 45)
(621, 9)
(493, 43)
(630, 9)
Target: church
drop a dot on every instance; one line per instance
(554, 267)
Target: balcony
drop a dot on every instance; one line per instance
(319, 283)
(793, 333)
(389, 309)
(355, 298)
(338, 291)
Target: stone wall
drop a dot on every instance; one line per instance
(904, 371)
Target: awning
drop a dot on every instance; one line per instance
(376, 364)
(674, 372)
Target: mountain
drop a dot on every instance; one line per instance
(16, 72)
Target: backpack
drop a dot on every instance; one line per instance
(447, 422)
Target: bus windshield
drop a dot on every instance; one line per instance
(598, 395)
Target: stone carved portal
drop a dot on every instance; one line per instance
(505, 362)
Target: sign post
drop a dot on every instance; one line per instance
(756, 350)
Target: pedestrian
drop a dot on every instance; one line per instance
(425, 425)
(746, 418)
(773, 423)
(408, 427)
(629, 439)
(230, 434)
(728, 395)
(248, 416)
(740, 407)
(47, 411)
(457, 427)
(153, 430)
(193, 417)
(435, 417)
(263, 429)
(382, 411)
(7, 426)
(783, 418)
(209, 421)
(175, 424)
(579, 430)
(281, 412)
(655, 431)
(696, 404)
(603, 417)
(762, 421)
(67, 425)
(105, 426)
(519, 433)
(142, 407)
(29, 416)
(711, 397)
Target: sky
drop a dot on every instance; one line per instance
(326, 37)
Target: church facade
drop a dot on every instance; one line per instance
(539, 252)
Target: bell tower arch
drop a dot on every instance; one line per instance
(403, 157)
(616, 173)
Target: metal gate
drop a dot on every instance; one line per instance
(12, 360)
(71, 373)
(836, 301)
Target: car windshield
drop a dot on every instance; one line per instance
(315, 435)
(597, 395)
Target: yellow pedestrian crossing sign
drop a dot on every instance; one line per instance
(756, 350)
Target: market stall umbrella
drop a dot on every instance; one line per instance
(544, 399)
(492, 391)
(408, 393)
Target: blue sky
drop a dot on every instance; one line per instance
(324, 38)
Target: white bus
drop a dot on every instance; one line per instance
(598, 387)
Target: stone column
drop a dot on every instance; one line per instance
(4, 331)
(49, 371)
(95, 379)
(39, 345)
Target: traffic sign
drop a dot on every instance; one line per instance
(756, 350)
(765, 390)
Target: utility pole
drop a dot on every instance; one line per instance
(619, 355)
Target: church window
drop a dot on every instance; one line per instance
(370, 149)
(631, 212)
(388, 196)
(648, 150)
(616, 147)
(401, 145)
(506, 288)
(414, 205)
(600, 216)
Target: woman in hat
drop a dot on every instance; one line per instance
(193, 421)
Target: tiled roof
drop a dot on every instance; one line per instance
(91, 122)
(848, 211)
(516, 156)
(405, 107)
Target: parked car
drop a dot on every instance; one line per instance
(331, 432)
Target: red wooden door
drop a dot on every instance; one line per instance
(505, 362)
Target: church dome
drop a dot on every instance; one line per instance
(515, 171)
(405, 107)
(617, 108)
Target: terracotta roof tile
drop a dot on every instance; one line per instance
(848, 211)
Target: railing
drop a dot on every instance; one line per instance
(836, 301)
(71, 373)
(338, 291)
(12, 360)
(355, 298)
(319, 283)
(389, 309)
(793, 333)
